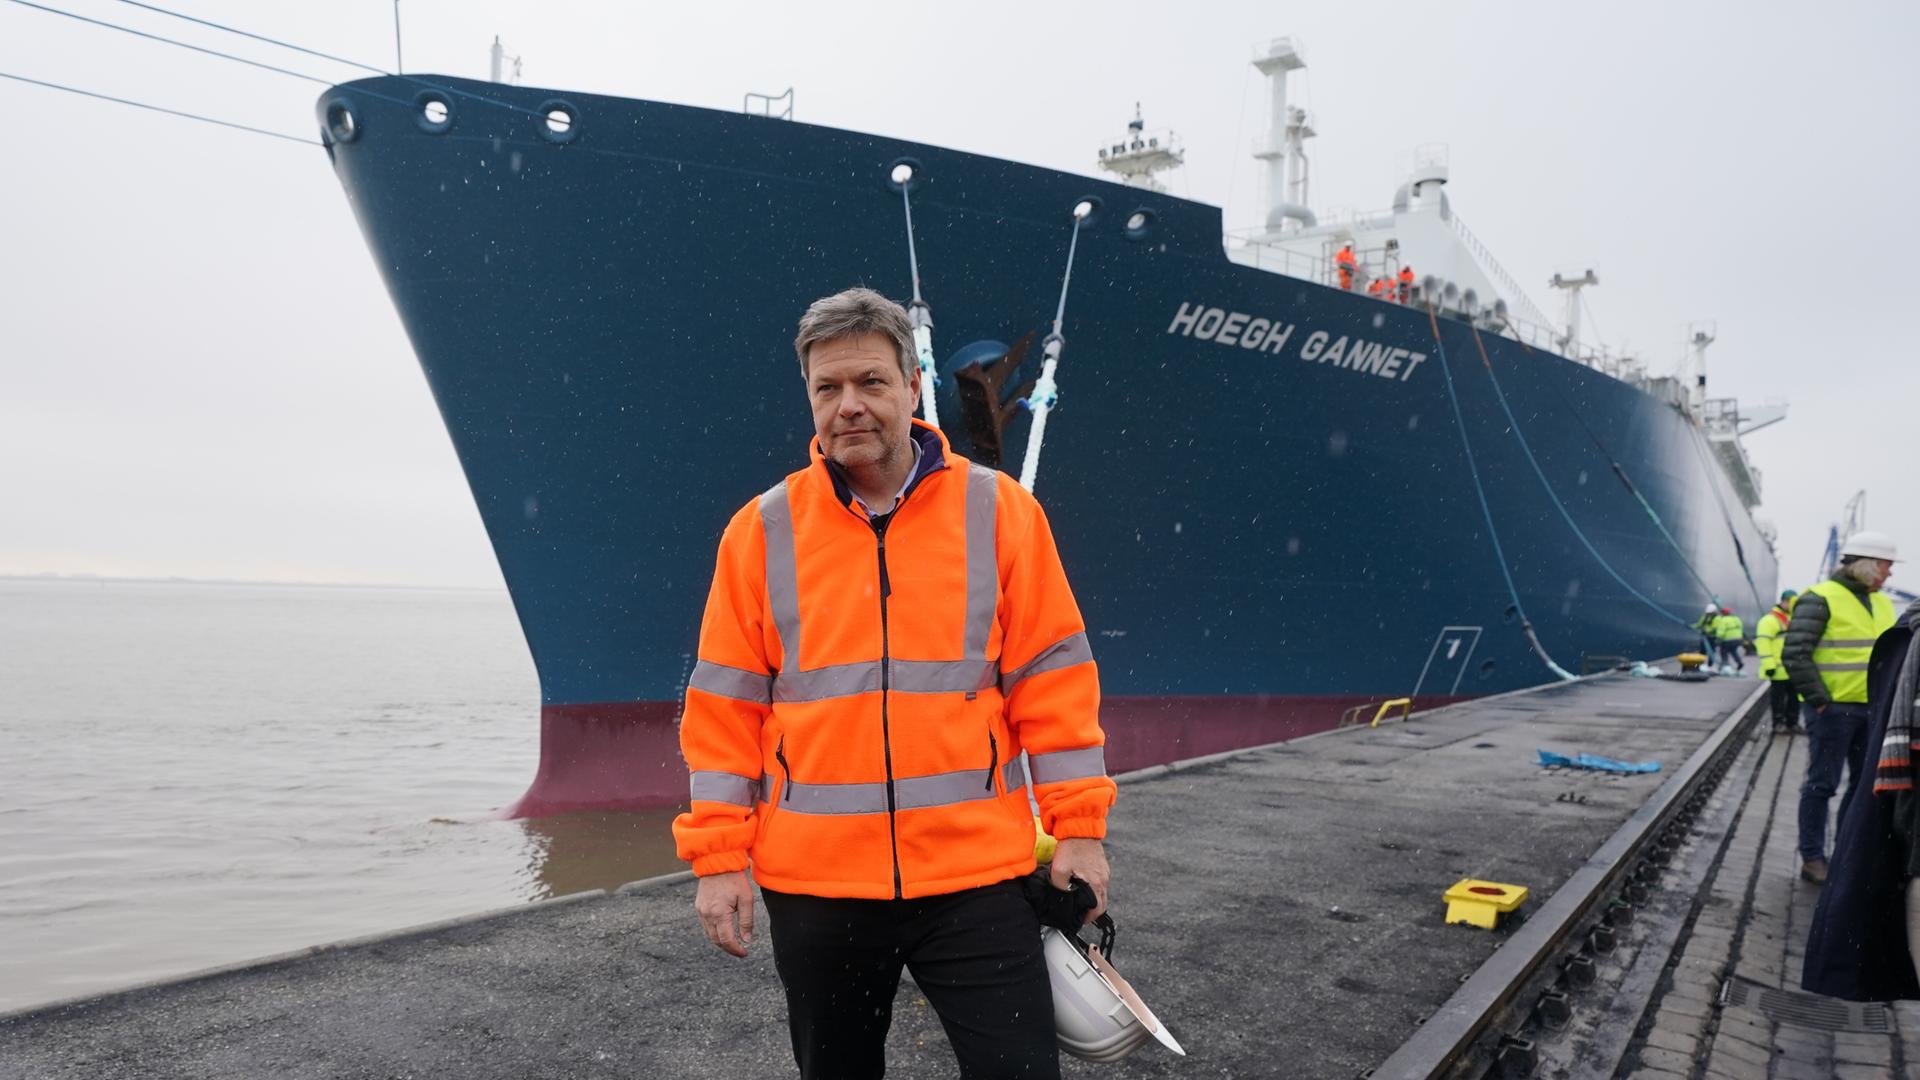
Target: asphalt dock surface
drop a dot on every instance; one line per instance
(1279, 908)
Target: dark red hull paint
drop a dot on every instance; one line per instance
(626, 755)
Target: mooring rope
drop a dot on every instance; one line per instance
(1513, 425)
(1486, 511)
(1046, 392)
(917, 311)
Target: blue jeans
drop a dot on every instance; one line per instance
(1836, 739)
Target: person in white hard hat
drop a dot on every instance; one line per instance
(1825, 650)
(1707, 637)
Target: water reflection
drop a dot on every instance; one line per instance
(596, 849)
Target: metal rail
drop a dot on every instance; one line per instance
(1452, 1042)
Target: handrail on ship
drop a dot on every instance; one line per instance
(1498, 272)
(1536, 334)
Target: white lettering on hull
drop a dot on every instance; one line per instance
(1238, 329)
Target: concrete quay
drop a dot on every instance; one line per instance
(1279, 907)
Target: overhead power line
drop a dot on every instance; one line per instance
(172, 41)
(257, 37)
(158, 108)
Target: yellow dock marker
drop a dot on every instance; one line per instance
(1481, 903)
(1691, 661)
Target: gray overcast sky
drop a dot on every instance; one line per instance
(200, 373)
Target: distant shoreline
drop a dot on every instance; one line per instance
(110, 579)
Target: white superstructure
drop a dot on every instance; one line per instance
(1136, 157)
(1452, 269)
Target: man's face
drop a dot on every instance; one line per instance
(1878, 571)
(862, 405)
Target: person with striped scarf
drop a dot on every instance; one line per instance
(1865, 941)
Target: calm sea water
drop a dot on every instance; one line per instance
(192, 775)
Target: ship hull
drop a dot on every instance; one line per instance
(1259, 536)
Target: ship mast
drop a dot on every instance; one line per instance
(1697, 386)
(497, 59)
(1573, 285)
(1288, 129)
(1140, 154)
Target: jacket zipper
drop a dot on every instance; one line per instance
(993, 764)
(786, 771)
(886, 675)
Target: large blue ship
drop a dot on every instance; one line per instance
(1277, 498)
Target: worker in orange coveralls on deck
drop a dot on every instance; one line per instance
(1406, 284)
(1347, 264)
(1380, 289)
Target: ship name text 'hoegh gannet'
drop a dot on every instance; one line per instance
(1237, 329)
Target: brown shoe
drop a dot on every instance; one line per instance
(1814, 870)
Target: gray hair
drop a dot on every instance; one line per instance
(858, 310)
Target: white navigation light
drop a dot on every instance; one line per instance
(1081, 209)
(902, 173)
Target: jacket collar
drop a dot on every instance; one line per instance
(933, 458)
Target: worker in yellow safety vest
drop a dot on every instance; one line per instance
(1825, 650)
(1766, 644)
(1729, 635)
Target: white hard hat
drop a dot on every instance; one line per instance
(1713, 609)
(1871, 545)
(1096, 1015)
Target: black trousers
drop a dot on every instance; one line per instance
(1785, 702)
(975, 954)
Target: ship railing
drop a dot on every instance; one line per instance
(1270, 256)
(1254, 249)
(1498, 272)
(1142, 142)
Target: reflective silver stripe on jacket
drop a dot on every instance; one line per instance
(971, 674)
(839, 680)
(943, 676)
(909, 677)
(983, 568)
(783, 577)
(732, 682)
(911, 792)
(1844, 643)
(1066, 652)
(1063, 765)
(724, 787)
(1840, 667)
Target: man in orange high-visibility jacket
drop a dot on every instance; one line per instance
(1380, 289)
(1347, 264)
(888, 629)
(1406, 284)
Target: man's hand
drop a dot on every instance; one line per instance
(722, 897)
(1085, 859)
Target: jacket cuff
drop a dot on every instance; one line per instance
(1088, 827)
(720, 862)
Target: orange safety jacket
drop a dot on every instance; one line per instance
(864, 689)
(1377, 287)
(1406, 283)
(1346, 264)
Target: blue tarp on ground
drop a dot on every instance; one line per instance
(1595, 761)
